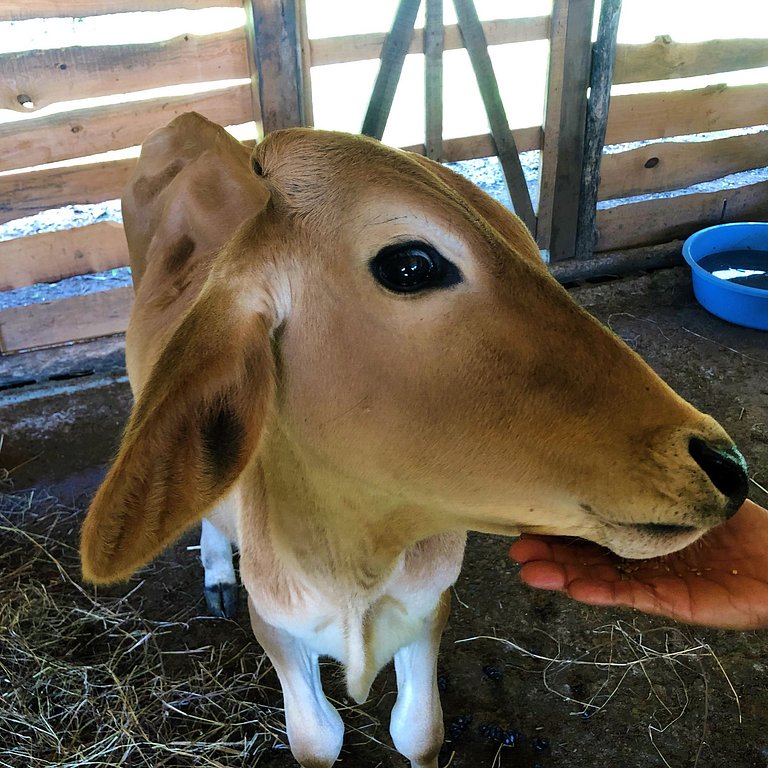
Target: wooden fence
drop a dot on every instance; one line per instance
(30, 80)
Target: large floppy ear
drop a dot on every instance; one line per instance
(195, 425)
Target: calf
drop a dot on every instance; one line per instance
(344, 357)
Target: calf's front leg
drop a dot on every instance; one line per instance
(416, 725)
(314, 727)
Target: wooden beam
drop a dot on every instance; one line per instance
(340, 50)
(13, 10)
(601, 77)
(24, 194)
(274, 53)
(564, 124)
(45, 77)
(477, 48)
(642, 116)
(618, 263)
(677, 165)
(57, 322)
(433, 79)
(664, 219)
(83, 132)
(664, 59)
(52, 256)
(393, 55)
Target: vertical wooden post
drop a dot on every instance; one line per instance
(477, 47)
(433, 87)
(564, 125)
(274, 51)
(392, 58)
(305, 61)
(601, 79)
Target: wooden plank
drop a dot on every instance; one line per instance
(52, 256)
(15, 10)
(642, 116)
(392, 59)
(676, 165)
(341, 50)
(619, 263)
(56, 322)
(470, 147)
(433, 80)
(664, 219)
(84, 132)
(477, 48)
(44, 77)
(564, 123)
(603, 53)
(664, 59)
(23, 194)
(274, 56)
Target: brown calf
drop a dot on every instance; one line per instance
(346, 356)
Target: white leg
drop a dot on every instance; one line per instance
(417, 717)
(220, 580)
(314, 727)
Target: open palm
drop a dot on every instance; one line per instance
(719, 581)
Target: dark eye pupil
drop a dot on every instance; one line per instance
(413, 267)
(408, 269)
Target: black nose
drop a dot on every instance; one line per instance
(726, 468)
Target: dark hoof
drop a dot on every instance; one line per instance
(222, 600)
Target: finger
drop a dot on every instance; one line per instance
(665, 597)
(543, 574)
(567, 551)
(524, 550)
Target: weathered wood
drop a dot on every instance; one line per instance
(664, 219)
(23, 194)
(477, 48)
(274, 53)
(18, 10)
(305, 60)
(393, 54)
(56, 322)
(564, 124)
(598, 104)
(664, 59)
(433, 76)
(469, 147)
(52, 256)
(84, 132)
(66, 74)
(340, 50)
(642, 116)
(619, 263)
(676, 165)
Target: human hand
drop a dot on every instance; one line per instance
(719, 581)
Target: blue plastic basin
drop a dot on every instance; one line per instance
(740, 304)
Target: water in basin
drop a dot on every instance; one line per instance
(746, 267)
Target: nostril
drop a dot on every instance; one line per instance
(725, 468)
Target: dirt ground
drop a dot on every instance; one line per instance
(516, 665)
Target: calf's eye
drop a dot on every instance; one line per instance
(412, 267)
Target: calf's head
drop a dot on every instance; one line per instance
(396, 327)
